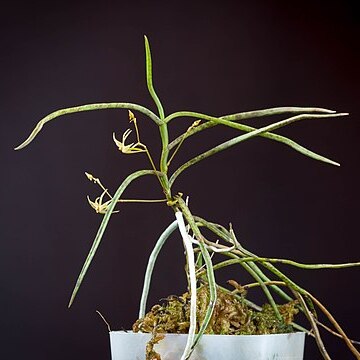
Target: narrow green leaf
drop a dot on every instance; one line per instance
(149, 79)
(258, 132)
(87, 107)
(151, 263)
(251, 114)
(247, 115)
(103, 226)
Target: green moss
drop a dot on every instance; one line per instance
(231, 316)
(151, 354)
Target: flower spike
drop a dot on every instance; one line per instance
(131, 116)
(91, 177)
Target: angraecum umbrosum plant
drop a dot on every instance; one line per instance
(201, 266)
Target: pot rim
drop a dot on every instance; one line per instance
(130, 332)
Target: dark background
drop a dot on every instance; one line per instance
(217, 59)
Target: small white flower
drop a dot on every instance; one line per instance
(99, 206)
(130, 148)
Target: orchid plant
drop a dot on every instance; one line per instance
(191, 226)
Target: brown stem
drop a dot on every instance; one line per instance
(311, 318)
(334, 332)
(336, 325)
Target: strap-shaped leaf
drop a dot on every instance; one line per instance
(258, 132)
(149, 79)
(87, 107)
(246, 115)
(151, 263)
(103, 226)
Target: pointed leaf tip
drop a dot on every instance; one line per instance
(72, 298)
(21, 146)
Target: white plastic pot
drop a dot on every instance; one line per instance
(131, 346)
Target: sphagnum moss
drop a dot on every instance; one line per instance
(207, 307)
(231, 316)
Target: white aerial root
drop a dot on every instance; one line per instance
(191, 265)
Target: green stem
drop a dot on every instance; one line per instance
(284, 261)
(283, 277)
(142, 200)
(225, 235)
(164, 159)
(87, 107)
(291, 284)
(253, 271)
(313, 324)
(241, 252)
(241, 299)
(103, 226)
(164, 133)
